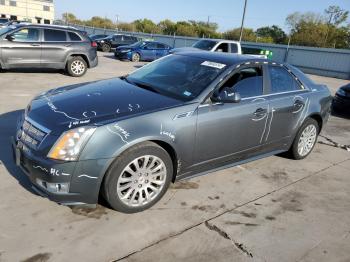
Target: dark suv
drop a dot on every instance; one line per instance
(42, 46)
(114, 41)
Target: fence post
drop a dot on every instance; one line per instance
(174, 40)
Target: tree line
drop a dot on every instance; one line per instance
(329, 29)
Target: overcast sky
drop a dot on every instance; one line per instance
(227, 13)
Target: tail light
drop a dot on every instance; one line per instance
(93, 44)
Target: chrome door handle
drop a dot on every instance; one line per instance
(35, 44)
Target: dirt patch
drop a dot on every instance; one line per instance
(235, 223)
(96, 213)
(203, 208)
(184, 185)
(276, 176)
(41, 257)
(270, 218)
(250, 215)
(183, 204)
(212, 198)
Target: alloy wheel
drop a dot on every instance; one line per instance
(307, 140)
(78, 67)
(141, 181)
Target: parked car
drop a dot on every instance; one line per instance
(180, 116)
(4, 21)
(43, 46)
(12, 23)
(224, 46)
(143, 50)
(97, 37)
(341, 100)
(113, 41)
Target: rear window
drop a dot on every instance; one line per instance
(74, 37)
(51, 35)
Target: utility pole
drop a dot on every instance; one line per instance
(245, 7)
(208, 21)
(117, 21)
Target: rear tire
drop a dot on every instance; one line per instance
(305, 139)
(106, 48)
(76, 66)
(138, 178)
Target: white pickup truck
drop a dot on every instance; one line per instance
(226, 46)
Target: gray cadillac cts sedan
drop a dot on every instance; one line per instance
(184, 115)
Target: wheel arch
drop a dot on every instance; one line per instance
(82, 56)
(163, 144)
(318, 118)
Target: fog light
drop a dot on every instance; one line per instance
(53, 187)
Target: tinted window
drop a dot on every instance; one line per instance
(74, 36)
(161, 46)
(182, 77)
(234, 48)
(282, 80)
(55, 35)
(248, 82)
(118, 38)
(26, 35)
(222, 48)
(151, 45)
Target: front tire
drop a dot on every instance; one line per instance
(138, 178)
(305, 139)
(135, 57)
(76, 66)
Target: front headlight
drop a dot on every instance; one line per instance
(341, 92)
(70, 143)
(102, 41)
(125, 51)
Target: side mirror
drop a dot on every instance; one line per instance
(10, 37)
(227, 96)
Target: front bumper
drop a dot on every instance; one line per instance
(123, 55)
(84, 177)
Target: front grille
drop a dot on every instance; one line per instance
(30, 136)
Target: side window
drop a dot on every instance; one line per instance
(26, 35)
(74, 37)
(117, 38)
(161, 46)
(152, 46)
(234, 48)
(248, 82)
(222, 48)
(55, 35)
(281, 80)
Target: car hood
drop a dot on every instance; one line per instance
(94, 103)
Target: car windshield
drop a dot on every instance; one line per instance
(205, 44)
(5, 30)
(177, 76)
(3, 20)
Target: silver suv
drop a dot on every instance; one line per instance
(42, 46)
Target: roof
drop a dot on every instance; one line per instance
(219, 57)
(47, 26)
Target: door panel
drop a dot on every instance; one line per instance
(55, 48)
(24, 50)
(286, 113)
(229, 132)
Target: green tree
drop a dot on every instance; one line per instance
(146, 26)
(167, 27)
(274, 33)
(234, 34)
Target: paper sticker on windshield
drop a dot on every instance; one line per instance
(186, 93)
(213, 64)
